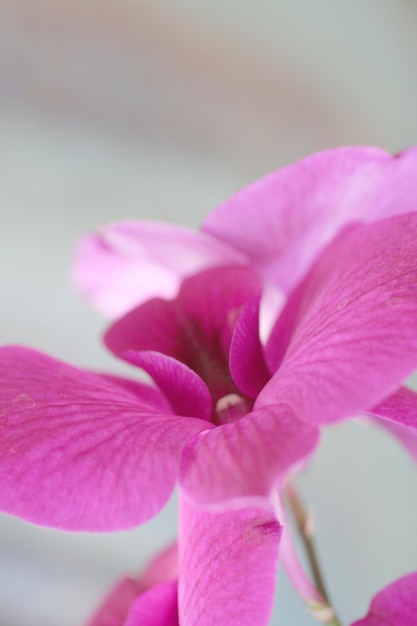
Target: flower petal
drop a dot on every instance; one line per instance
(246, 458)
(247, 362)
(228, 564)
(130, 262)
(398, 415)
(79, 452)
(158, 606)
(187, 393)
(347, 336)
(395, 605)
(284, 220)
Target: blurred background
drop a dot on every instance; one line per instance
(161, 110)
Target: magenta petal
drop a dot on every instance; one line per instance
(395, 605)
(128, 263)
(247, 362)
(246, 458)
(398, 415)
(284, 220)
(347, 336)
(79, 452)
(228, 563)
(158, 606)
(187, 393)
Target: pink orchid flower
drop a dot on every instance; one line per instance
(92, 452)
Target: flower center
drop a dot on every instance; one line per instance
(230, 408)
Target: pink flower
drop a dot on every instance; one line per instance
(232, 415)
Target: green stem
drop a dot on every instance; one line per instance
(324, 613)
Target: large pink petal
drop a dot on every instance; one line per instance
(246, 458)
(347, 336)
(158, 606)
(79, 452)
(284, 220)
(196, 328)
(228, 564)
(398, 415)
(396, 605)
(127, 263)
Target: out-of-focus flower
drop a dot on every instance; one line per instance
(156, 585)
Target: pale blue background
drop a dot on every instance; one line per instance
(161, 110)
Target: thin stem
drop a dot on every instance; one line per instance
(305, 524)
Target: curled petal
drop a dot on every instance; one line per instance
(347, 336)
(396, 605)
(80, 452)
(127, 263)
(247, 458)
(247, 362)
(187, 393)
(284, 220)
(228, 564)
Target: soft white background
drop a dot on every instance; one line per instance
(161, 110)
